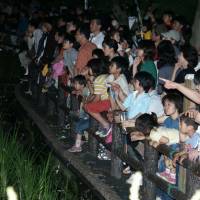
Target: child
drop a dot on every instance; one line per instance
(98, 101)
(147, 126)
(189, 134)
(138, 101)
(83, 123)
(173, 107)
(70, 54)
(117, 78)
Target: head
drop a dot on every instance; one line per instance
(115, 35)
(187, 125)
(79, 82)
(188, 58)
(71, 26)
(96, 67)
(166, 53)
(167, 17)
(110, 47)
(118, 65)
(146, 50)
(46, 27)
(82, 34)
(197, 80)
(143, 81)
(69, 41)
(59, 37)
(173, 104)
(98, 53)
(145, 123)
(95, 25)
(178, 23)
(33, 24)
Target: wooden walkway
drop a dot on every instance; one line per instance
(92, 171)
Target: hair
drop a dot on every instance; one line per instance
(189, 121)
(146, 122)
(146, 80)
(121, 63)
(190, 54)
(84, 30)
(70, 38)
(166, 53)
(169, 13)
(98, 52)
(34, 23)
(80, 79)
(111, 44)
(176, 99)
(149, 49)
(197, 77)
(97, 66)
(97, 19)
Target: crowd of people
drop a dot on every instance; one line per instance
(103, 66)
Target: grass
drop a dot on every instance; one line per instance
(31, 181)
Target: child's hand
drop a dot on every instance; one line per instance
(192, 113)
(194, 155)
(135, 136)
(154, 144)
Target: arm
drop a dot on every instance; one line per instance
(161, 119)
(191, 94)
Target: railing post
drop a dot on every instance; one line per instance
(117, 143)
(150, 167)
(192, 183)
(92, 142)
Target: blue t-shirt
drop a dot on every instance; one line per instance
(194, 140)
(171, 123)
(136, 104)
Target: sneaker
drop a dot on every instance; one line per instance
(172, 178)
(164, 175)
(105, 132)
(75, 149)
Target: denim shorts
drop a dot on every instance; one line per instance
(81, 125)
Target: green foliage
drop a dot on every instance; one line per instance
(31, 182)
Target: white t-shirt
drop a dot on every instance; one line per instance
(171, 134)
(155, 104)
(98, 39)
(121, 81)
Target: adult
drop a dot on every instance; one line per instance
(85, 50)
(187, 61)
(166, 62)
(96, 35)
(145, 59)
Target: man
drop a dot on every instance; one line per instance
(96, 35)
(85, 50)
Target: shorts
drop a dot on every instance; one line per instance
(98, 107)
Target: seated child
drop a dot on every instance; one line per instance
(116, 79)
(83, 122)
(189, 135)
(146, 126)
(98, 101)
(138, 101)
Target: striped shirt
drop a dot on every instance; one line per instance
(100, 86)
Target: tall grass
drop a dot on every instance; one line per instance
(30, 181)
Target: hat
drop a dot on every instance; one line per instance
(172, 34)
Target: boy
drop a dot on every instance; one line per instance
(83, 122)
(138, 101)
(70, 54)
